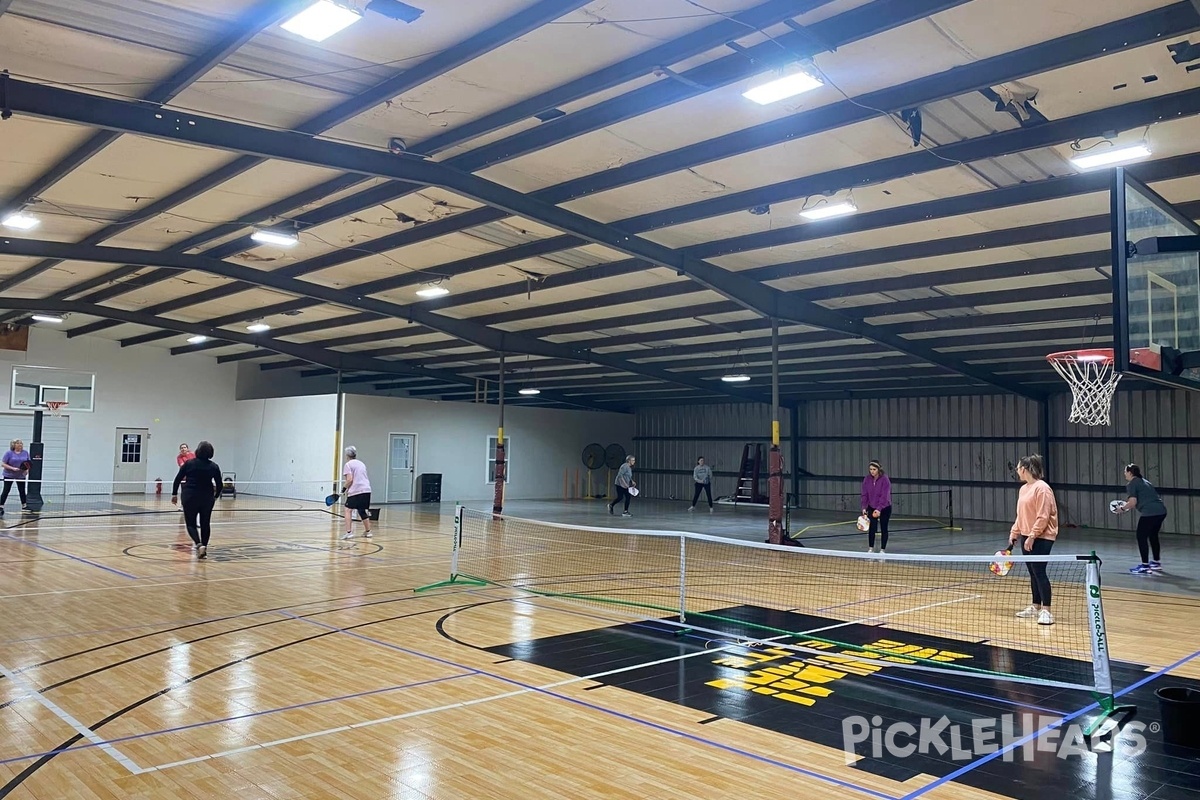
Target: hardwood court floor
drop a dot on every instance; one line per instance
(294, 664)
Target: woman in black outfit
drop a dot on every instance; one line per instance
(201, 480)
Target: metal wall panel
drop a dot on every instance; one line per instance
(968, 445)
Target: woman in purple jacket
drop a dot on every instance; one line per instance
(877, 505)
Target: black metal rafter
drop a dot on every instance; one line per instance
(845, 28)
(65, 105)
(519, 24)
(468, 331)
(1108, 38)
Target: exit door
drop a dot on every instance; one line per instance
(402, 463)
(129, 465)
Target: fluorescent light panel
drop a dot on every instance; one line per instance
(258, 327)
(197, 339)
(47, 318)
(830, 210)
(738, 378)
(1115, 155)
(782, 88)
(321, 20)
(529, 391)
(277, 238)
(20, 222)
(433, 291)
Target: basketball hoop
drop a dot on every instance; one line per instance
(1092, 378)
(56, 407)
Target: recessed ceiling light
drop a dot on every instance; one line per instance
(321, 20)
(277, 238)
(433, 291)
(197, 339)
(1116, 155)
(783, 87)
(20, 222)
(258, 327)
(735, 378)
(47, 318)
(529, 391)
(830, 210)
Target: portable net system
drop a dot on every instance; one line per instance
(916, 612)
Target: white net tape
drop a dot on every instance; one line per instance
(1093, 380)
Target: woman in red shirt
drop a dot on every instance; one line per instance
(185, 454)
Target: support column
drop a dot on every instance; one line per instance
(498, 501)
(1044, 435)
(37, 452)
(775, 468)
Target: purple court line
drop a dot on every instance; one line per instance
(653, 725)
(958, 773)
(68, 555)
(136, 736)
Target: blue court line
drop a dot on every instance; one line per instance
(653, 725)
(958, 773)
(136, 736)
(68, 555)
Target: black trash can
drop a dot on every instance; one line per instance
(1180, 709)
(374, 514)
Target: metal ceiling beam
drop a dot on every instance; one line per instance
(1109, 38)
(55, 103)
(466, 330)
(845, 28)
(519, 24)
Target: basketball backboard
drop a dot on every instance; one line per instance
(34, 387)
(1156, 293)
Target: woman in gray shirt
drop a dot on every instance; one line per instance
(702, 475)
(1144, 497)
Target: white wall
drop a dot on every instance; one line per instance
(178, 398)
(452, 440)
(286, 447)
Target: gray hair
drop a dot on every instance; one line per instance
(352, 452)
(13, 444)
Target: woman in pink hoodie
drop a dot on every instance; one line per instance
(877, 505)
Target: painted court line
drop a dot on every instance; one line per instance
(12, 538)
(1038, 734)
(75, 724)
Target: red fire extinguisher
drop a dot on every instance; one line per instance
(158, 485)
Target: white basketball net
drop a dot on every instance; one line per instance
(1093, 380)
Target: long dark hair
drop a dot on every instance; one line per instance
(699, 459)
(1034, 465)
(1134, 470)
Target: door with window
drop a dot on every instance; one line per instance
(402, 467)
(129, 465)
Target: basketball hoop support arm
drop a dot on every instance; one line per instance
(1157, 245)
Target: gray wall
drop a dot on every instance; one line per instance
(966, 445)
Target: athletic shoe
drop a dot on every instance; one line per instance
(1156, 566)
(368, 535)
(348, 535)
(202, 552)
(1141, 569)
(691, 508)
(710, 509)
(1029, 612)
(870, 549)
(626, 514)
(610, 508)
(882, 552)
(1045, 617)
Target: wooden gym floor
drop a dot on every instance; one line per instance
(294, 664)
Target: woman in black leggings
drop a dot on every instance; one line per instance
(1143, 496)
(201, 480)
(1037, 525)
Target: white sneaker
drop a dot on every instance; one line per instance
(1045, 617)
(691, 508)
(368, 535)
(882, 552)
(1029, 612)
(870, 549)
(348, 535)
(626, 514)
(710, 509)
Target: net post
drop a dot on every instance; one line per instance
(455, 578)
(950, 500)
(1110, 712)
(682, 578)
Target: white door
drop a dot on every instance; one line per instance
(129, 464)
(402, 463)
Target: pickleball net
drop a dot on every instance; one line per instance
(948, 615)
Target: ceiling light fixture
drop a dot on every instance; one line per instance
(20, 222)
(276, 237)
(47, 318)
(321, 20)
(197, 339)
(258, 327)
(830, 210)
(433, 291)
(783, 87)
(529, 392)
(1117, 155)
(736, 377)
